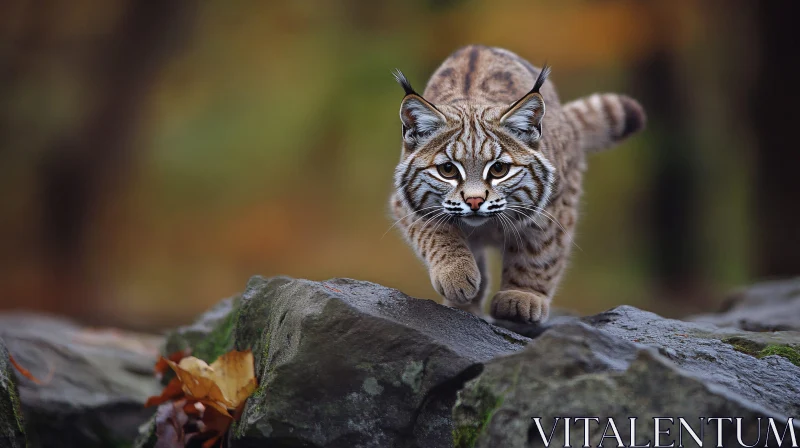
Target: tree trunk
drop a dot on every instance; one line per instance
(775, 117)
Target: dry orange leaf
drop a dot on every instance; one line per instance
(27, 374)
(203, 392)
(162, 366)
(172, 391)
(228, 381)
(215, 425)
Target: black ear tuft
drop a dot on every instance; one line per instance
(403, 81)
(541, 78)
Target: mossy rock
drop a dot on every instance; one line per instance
(210, 336)
(761, 347)
(628, 362)
(345, 362)
(12, 425)
(476, 406)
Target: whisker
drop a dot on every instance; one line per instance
(513, 228)
(430, 220)
(549, 216)
(404, 217)
(426, 214)
(471, 232)
(543, 212)
(515, 210)
(497, 217)
(442, 221)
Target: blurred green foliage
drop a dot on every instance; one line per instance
(269, 135)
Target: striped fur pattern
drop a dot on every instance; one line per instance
(490, 157)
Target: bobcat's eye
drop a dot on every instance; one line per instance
(447, 170)
(499, 169)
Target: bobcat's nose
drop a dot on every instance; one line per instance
(474, 203)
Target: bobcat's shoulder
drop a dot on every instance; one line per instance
(487, 75)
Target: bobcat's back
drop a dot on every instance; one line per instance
(485, 75)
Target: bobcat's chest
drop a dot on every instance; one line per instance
(498, 232)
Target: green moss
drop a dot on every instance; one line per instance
(745, 346)
(790, 353)
(256, 400)
(757, 350)
(465, 436)
(218, 342)
(12, 424)
(13, 395)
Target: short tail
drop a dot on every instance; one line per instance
(604, 119)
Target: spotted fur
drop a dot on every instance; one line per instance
(484, 110)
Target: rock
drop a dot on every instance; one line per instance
(630, 363)
(770, 306)
(715, 354)
(347, 363)
(210, 336)
(12, 428)
(95, 381)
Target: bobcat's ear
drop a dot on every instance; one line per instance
(524, 117)
(419, 117)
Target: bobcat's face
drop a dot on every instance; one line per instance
(473, 162)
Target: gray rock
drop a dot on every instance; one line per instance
(12, 428)
(346, 363)
(96, 381)
(627, 362)
(210, 336)
(718, 355)
(770, 306)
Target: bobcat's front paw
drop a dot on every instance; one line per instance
(456, 280)
(520, 306)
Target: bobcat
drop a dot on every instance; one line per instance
(483, 165)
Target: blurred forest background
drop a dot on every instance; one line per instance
(154, 155)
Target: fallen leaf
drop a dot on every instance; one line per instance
(236, 376)
(195, 409)
(229, 380)
(331, 288)
(171, 391)
(217, 406)
(237, 413)
(162, 366)
(216, 425)
(27, 374)
(196, 405)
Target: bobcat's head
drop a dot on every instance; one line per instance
(474, 162)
